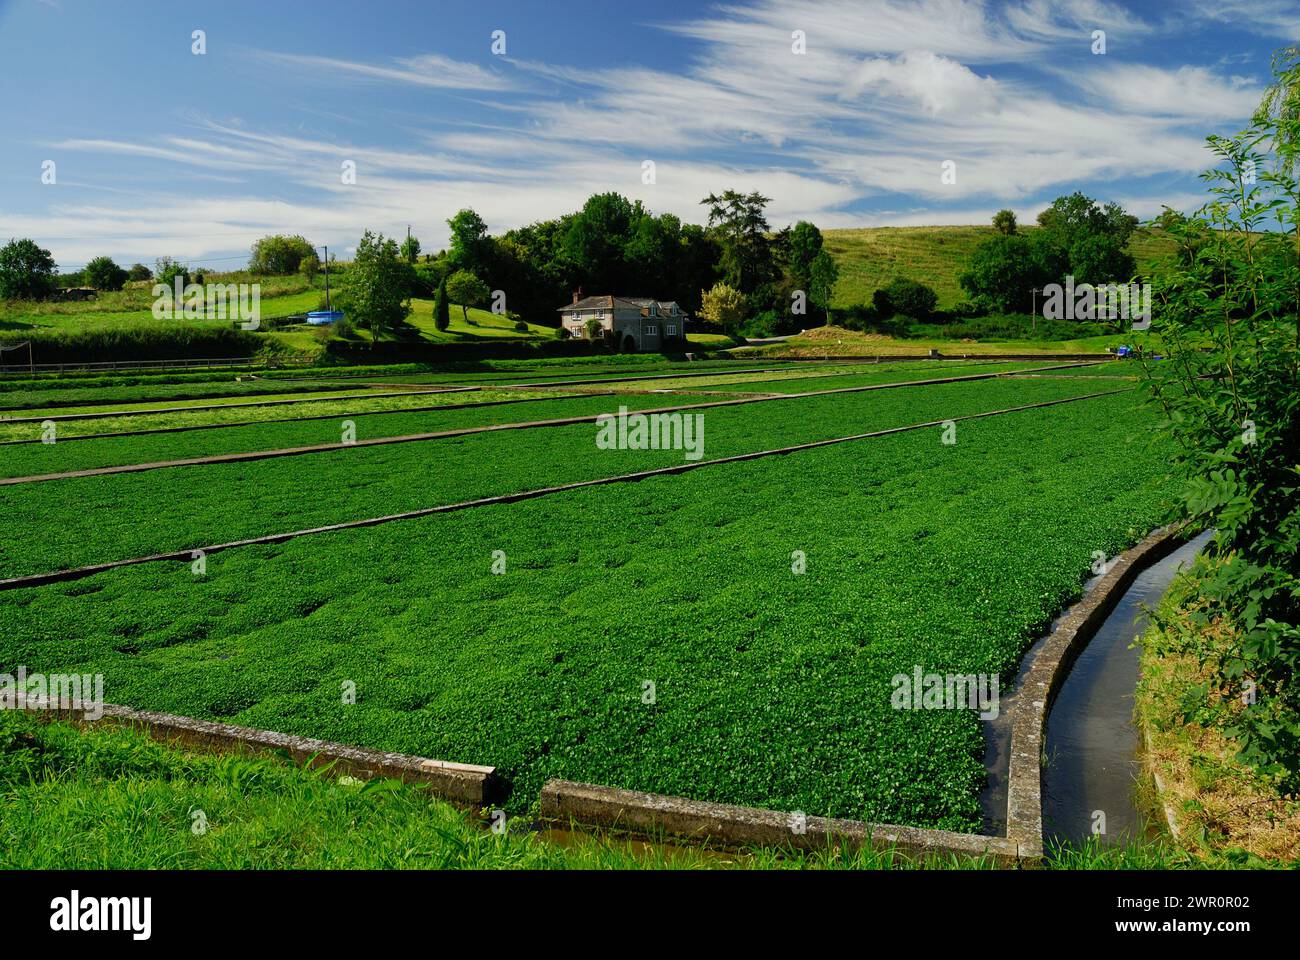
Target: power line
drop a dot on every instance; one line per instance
(187, 262)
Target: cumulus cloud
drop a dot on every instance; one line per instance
(936, 84)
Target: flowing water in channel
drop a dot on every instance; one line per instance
(1091, 741)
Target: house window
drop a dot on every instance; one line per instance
(671, 330)
(651, 331)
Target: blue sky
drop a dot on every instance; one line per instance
(159, 151)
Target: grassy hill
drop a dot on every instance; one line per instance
(869, 257)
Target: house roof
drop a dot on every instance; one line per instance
(609, 302)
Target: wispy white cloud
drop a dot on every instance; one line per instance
(886, 92)
(1187, 92)
(426, 70)
(1273, 18)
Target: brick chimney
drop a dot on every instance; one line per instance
(577, 295)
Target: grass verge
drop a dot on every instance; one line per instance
(1220, 807)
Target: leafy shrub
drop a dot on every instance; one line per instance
(765, 324)
(166, 270)
(907, 297)
(1226, 313)
(103, 274)
(280, 255)
(867, 319)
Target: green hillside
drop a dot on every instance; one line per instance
(869, 257)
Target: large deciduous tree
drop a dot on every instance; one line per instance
(376, 288)
(467, 290)
(26, 271)
(1004, 271)
(740, 225)
(723, 306)
(471, 248)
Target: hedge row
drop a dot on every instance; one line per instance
(163, 341)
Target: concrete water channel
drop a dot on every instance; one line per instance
(1092, 744)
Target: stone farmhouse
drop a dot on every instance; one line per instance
(626, 323)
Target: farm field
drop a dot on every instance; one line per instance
(207, 416)
(513, 407)
(111, 409)
(456, 411)
(858, 437)
(12, 401)
(106, 518)
(563, 373)
(772, 688)
(870, 374)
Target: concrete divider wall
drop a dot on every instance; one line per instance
(566, 803)
(459, 782)
(1048, 672)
